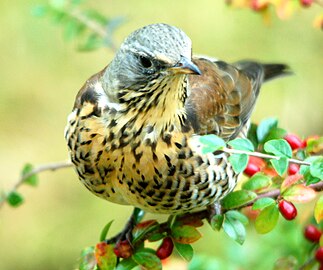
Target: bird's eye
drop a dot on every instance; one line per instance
(146, 63)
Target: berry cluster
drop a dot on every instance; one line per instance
(256, 164)
(284, 9)
(313, 234)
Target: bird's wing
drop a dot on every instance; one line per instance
(222, 98)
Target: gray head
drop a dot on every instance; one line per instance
(147, 55)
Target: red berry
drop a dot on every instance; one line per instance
(287, 209)
(123, 249)
(312, 233)
(321, 267)
(251, 169)
(306, 3)
(293, 169)
(294, 141)
(256, 5)
(165, 249)
(319, 254)
(270, 172)
(257, 161)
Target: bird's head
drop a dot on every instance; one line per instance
(155, 58)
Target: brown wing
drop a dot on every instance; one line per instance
(221, 99)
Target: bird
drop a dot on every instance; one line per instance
(134, 132)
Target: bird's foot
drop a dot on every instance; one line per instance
(126, 233)
(213, 210)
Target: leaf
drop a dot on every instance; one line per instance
(257, 182)
(267, 219)
(138, 215)
(147, 259)
(252, 135)
(39, 10)
(264, 127)
(242, 144)
(318, 210)
(275, 133)
(234, 214)
(185, 250)
(185, 234)
(239, 162)
(279, 148)
(234, 229)
(299, 194)
(126, 264)
(156, 237)
(289, 181)
(216, 222)
(31, 180)
(14, 199)
(305, 171)
(90, 43)
(211, 143)
(263, 203)
(105, 257)
(280, 165)
(316, 168)
(238, 198)
(143, 228)
(87, 260)
(105, 231)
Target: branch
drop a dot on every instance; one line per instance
(205, 214)
(93, 26)
(261, 155)
(42, 168)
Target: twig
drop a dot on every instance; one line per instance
(42, 168)
(92, 25)
(204, 214)
(261, 155)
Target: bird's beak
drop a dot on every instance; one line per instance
(185, 66)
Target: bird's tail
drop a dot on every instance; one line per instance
(256, 71)
(272, 71)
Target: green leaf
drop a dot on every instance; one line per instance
(72, 29)
(138, 215)
(87, 260)
(104, 254)
(264, 128)
(263, 203)
(31, 180)
(234, 214)
(275, 133)
(185, 250)
(94, 15)
(234, 229)
(257, 182)
(280, 165)
(242, 144)
(105, 231)
(216, 222)
(299, 194)
(318, 210)
(316, 168)
(305, 171)
(126, 264)
(147, 259)
(156, 237)
(238, 198)
(267, 219)
(14, 199)
(252, 135)
(90, 43)
(279, 148)
(185, 234)
(239, 162)
(211, 143)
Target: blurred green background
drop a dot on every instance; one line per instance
(40, 75)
